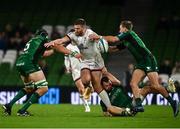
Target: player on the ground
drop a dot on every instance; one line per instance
(146, 63)
(30, 72)
(119, 97)
(92, 62)
(72, 65)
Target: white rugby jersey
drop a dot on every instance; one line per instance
(73, 48)
(87, 47)
(70, 60)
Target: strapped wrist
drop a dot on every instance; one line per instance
(73, 53)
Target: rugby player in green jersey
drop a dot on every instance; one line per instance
(119, 97)
(30, 72)
(146, 64)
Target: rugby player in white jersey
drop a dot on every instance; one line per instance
(92, 62)
(72, 65)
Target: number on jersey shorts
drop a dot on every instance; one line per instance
(92, 65)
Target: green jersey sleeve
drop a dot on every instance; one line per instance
(123, 36)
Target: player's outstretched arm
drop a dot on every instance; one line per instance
(109, 39)
(113, 49)
(62, 49)
(57, 42)
(107, 114)
(48, 53)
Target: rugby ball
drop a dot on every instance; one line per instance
(102, 45)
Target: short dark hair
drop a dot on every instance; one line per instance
(127, 24)
(80, 21)
(104, 79)
(41, 32)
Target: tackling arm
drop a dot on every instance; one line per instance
(58, 46)
(48, 53)
(111, 39)
(113, 49)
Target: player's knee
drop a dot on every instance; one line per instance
(29, 87)
(29, 90)
(41, 84)
(86, 82)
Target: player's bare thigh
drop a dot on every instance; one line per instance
(37, 76)
(137, 76)
(86, 76)
(153, 78)
(96, 79)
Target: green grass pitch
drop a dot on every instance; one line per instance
(69, 116)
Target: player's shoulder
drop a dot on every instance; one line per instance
(89, 31)
(71, 33)
(36, 39)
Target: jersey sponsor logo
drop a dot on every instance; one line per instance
(82, 47)
(20, 64)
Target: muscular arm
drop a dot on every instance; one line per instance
(62, 49)
(61, 41)
(48, 53)
(113, 49)
(111, 77)
(111, 39)
(58, 46)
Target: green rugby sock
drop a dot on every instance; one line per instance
(170, 100)
(33, 99)
(19, 95)
(138, 102)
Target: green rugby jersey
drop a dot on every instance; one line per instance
(118, 97)
(33, 50)
(135, 45)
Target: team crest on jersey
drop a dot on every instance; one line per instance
(82, 47)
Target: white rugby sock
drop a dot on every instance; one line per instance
(142, 98)
(104, 97)
(85, 102)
